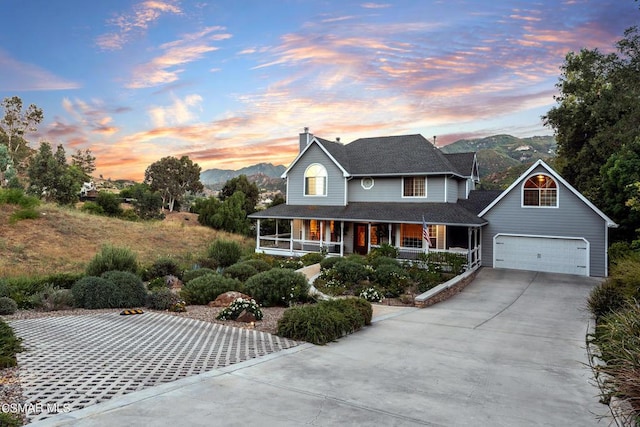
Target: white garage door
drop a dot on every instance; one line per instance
(548, 254)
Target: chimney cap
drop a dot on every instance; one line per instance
(337, 139)
(306, 129)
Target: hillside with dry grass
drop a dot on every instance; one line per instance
(65, 239)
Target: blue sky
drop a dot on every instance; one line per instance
(232, 83)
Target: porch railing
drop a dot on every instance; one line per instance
(284, 243)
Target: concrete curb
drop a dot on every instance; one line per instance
(446, 289)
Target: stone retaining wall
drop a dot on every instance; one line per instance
(446, 289)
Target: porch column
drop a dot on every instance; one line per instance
(389, 228)
(291, 239)
(368, 237)
(258, 234)
(469, 254)
(341, 238)
(321, 234)
(277, 235)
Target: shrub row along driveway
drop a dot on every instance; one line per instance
(507, 351)
(75, 361)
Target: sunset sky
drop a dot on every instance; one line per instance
(233, 83)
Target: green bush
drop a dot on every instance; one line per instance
(110, 203)
(53, 298)
(10, 345)
(617, 336)
(258, 264)
(239, 305)
(161, 299)
(204, 289)
(329, 262)
(444, 261)
(112, 258)
(130, 291)
(192, 274)
(350, 272)
(383, 260)
(4, 288)
(16, 196)
(24, 213)
(61, 280)
(10, 420)
(241, 271)
(607, 297)
(365, 308)
(92, 208)
(269, 259)
(290, 263)
(225, 252)
(392, 278)
(162, 267)
(7, 306)
(323, 322)
(311, 258)
(157, 283)
(95, 292)
(278, 286)
(385, 250)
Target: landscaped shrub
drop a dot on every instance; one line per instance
(617, 336)
(16, 196)
(329, 262)
(4, 288)
(130, 291)
(10, 345)
(311, 258)
(323, 322)
(383, 260)
(444, 261)
(162, 267)
(278, 286)
(95, 292)
(204, 289)
(363, 306)
(7, 306)
(371, 294)
(259, 264)
(291, 263)
(238, 306)
(607, 297)
(192, 274)
(61, 280)
(225, 252)
(10, 420)
(351, 272)
(112, 258)
(241, 271)
(385, 250)
(162, 299)
(269, 259)
(392, 279)
(109, 202)
(53, 298)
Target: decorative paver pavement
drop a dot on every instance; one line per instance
(76, 361)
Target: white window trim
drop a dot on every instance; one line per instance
(304, 179)
(524, 181)
(372, 182)
(413, 197)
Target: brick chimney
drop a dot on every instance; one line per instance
(305, 138)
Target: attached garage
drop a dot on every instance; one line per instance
(549, 254)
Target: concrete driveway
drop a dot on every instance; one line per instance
(507, 351)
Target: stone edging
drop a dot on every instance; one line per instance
(446, 289)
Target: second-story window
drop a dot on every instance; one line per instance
(315, 180)
(414, 187)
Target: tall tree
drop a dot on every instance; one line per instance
(16, 123)
(51, 178)
(172, 178)
(85, 161)
(249, 189)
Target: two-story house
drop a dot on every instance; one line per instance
(403, 191)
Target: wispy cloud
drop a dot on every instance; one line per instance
(20, 76)
(135, 22)
(375, 5)
(179, 113)
(166, 68)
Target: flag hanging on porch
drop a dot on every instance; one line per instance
(425, 232)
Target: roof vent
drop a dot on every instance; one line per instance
(338, 139)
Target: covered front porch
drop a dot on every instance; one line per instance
(297, 237)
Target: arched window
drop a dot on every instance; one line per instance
(540, 190)
(315, 180)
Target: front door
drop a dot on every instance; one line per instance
(360, 239)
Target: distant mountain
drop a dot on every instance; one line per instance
(498, 153)
(265, 175)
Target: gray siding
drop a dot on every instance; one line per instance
(390, 190)
(462, 189)
(452, 190)
(335, 180)
(572, 218)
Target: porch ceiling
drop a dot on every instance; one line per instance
(434, 213)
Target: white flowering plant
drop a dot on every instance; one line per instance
(238, 306)
(371, 294)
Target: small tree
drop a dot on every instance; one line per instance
(84, 161)
(16, 123)
(249, 189)
(51, 178)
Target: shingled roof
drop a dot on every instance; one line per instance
(462, 162)
(391, 155)
(433, 213)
